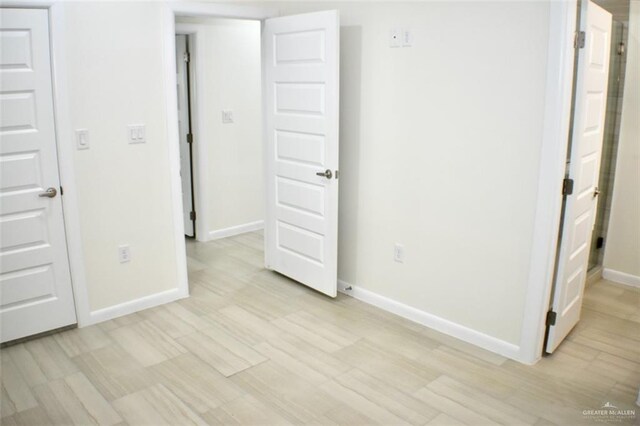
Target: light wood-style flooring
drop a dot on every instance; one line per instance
(252, 347)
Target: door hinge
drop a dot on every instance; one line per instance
(186, 57)
(189, 137)
(621, 48)
(192, 215)
(567, 186)
(551, 318)
(580, 39)
(61, 190)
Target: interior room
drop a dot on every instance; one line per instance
(319, 212)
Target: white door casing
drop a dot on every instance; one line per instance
(301, 92)
(35, 282)
(586, 148)
(183, 128)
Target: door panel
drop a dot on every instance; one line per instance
(301, 119)
(586, 147)
(35, 284)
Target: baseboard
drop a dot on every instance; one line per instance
(621, 277)
(442, 325)
(593, 276)
(135, 305)
(236, 230)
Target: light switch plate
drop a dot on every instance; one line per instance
(82, 138)
(407, 38)
(136, 133)
(395, 37)
(227, 116)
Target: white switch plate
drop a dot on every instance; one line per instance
(407, 38)
(395, 37)
(227, 116)
(398, 253)
(82, 138)
(124, 254)
(136, 133)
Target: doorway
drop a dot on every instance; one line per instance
(300, 137)
(598, 76)
(617, 66)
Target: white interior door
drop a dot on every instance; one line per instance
(301, 72)
(184, 129)
(586, 148)
(35, 284)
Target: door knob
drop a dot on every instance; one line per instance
(596, 192)
(327, 173)
(49, 193)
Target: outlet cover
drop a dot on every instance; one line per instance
(398, 253)
(124, 254)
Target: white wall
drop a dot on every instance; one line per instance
(233, 179)
(622, 255)
(115, 78)
(440, 152)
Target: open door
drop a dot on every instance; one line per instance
(586, 148)
(186, 137)
(301, 82)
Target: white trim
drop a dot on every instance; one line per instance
(560, 62)
(170, 11)
(621, 277)
(442, 325)
(135, 305)
(169, 59)
(236, 230)
(220, 10)
(66, 164)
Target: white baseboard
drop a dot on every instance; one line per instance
(136, 305)
(442, 325)
(621, 277)
(236, 230)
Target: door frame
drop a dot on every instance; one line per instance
(170, 29)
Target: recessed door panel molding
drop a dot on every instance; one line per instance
(16, 51)
(301, 119)
(300, 98)
(18, 112)
(300, 47)
(586, 148)
(35, 282)
(300, 147)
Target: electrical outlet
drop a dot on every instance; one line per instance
(398, 253)
(124, 254)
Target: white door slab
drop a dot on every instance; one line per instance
(184, 130)
(586, 148)
(301, 78)
(35, 283)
